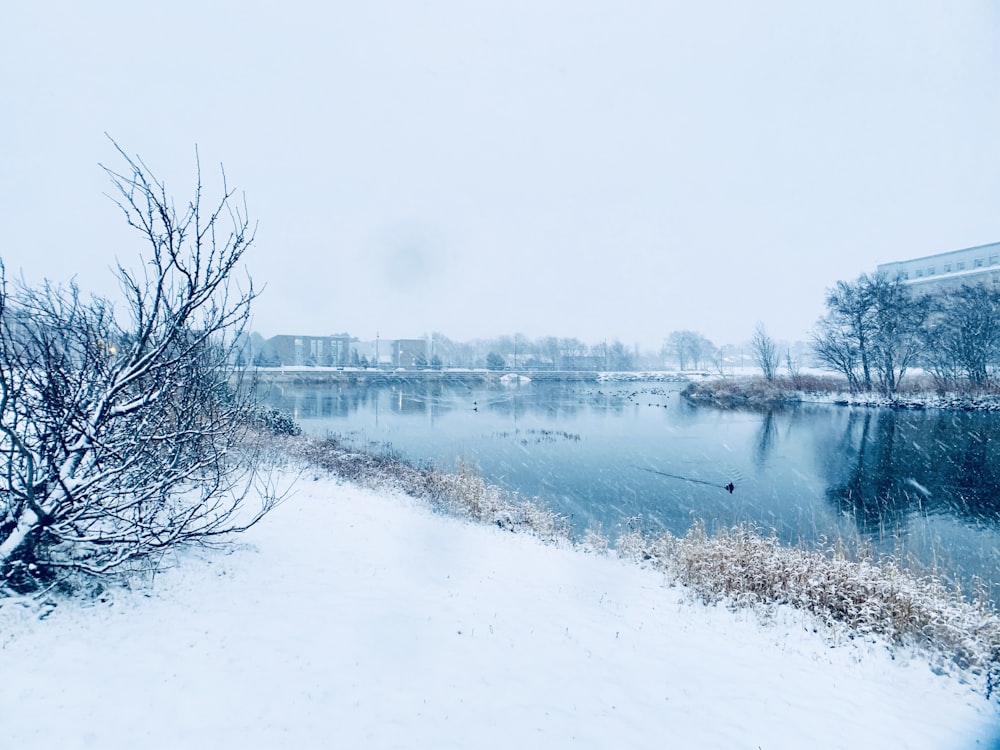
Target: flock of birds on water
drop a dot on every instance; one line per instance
(633, 397)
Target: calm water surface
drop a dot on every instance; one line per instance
(921, 484)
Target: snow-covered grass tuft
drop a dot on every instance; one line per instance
(275, 421)
(467, 493)
(870, 596)
(463, 492)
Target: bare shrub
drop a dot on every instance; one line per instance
(274, 421)
(124, 430)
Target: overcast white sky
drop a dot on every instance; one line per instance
(576, 168)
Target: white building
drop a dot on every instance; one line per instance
(973, 265)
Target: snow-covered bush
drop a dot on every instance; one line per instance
(275, 421)
(124, 430)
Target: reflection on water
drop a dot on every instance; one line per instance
(766, 437)
(886, 466)
(921, 484)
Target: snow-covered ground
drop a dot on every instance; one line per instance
(350, 619)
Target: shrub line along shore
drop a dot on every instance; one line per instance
(756, 392)
(722, 392)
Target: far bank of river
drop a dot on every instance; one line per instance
(318, 376)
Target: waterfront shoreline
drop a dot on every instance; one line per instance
(756, 393)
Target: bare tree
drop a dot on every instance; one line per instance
(963, 335)
(898, 322)
(550, 350)
(794, 369)
(619, 358)
(573, 347)
(688, 347)
(835, 349)
(872, 331)
(764, 351)
(121, 433)
(843, 338)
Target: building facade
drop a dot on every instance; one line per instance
(972, 265)
(322, 351)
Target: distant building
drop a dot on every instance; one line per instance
(322, 351)
(972, 265)
(374, 353)
(342, 350)
(409, 352)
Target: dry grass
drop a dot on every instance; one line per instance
(758, 392)
(915, 389)
(745, 568)
(918, 384)
(463, 492)
(468, 494)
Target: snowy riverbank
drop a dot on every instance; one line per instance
(350, 618)
(755, 392)
(963, 402)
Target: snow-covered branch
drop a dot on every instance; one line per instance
(125, 430)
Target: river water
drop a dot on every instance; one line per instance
(923, 485)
